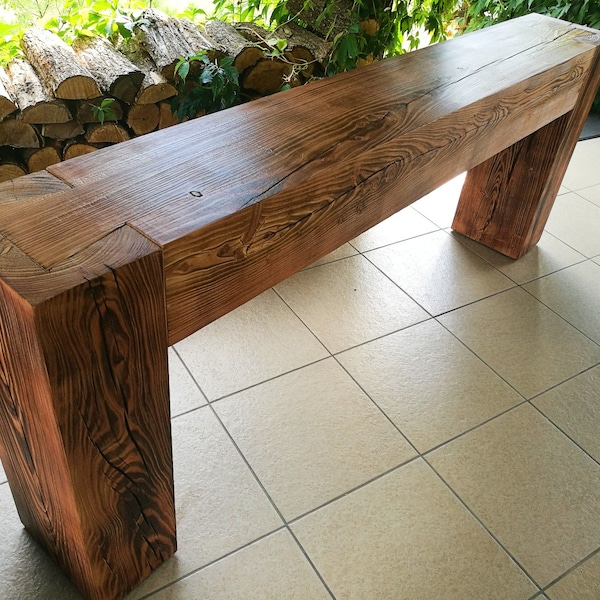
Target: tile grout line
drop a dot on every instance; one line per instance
(561, 316)
(484, 527)
(421, 455)
(566, 435)
(571, 569)
(211, 563)
(270, 499)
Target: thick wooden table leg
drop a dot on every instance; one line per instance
(84, 415)
(506, 200)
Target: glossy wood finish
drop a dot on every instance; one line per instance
(206, 215)
(84, 415)
(506, 200)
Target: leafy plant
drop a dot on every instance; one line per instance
(486, 12)
(388, 27)
(204, 85)
(91, 18)
(10, 36)
(104, 111)
(376, 28)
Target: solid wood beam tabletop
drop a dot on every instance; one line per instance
(107, 259)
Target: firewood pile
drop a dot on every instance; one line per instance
(47, 99)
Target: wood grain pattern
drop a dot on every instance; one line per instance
(36, 184)
(116, 254)
(84, 413)
(506, 200)
(350, 111)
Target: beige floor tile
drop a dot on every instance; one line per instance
(590, 147)
(574, 293)
(583, 583)
(548, 256)
(406, 537)
(428, 383)
(259, 340)
(583, 169)
(342, 252)
(531, 486)
(349, 302)
(312, 435)
(528, 345)
(220, 506)
(440, 205)
(2, 474)
(591, 193)
(576, 222)
(185, 394)
(27, 571)
(272, 569)
(407, 223)
(573, 406)
(439, 272)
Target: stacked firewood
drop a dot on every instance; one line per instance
(51, 101)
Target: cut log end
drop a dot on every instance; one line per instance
(107, 133)
(40, 159)
(143, 118)
(126, 87)
(17, 134)
(79, 87)
(7, 107)
(47, 112)
(9, 171)
(77, 147)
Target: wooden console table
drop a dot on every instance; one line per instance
(108, 259)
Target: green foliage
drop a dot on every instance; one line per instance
(204, 85)
(10, 46)
(104, 111)
(377, 28)
(91, 18)
(244, 11)
(485, 12)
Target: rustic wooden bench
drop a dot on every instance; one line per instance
(108, 259)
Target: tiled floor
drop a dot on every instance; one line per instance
(416, 417)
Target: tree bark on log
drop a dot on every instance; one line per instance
(162, 40)
(254, 33)
(143, 118)
(35, 103)
(110, 133)
(304, 46)
(62, 131)
(7, 95)
(117, 76)
(197, 39)
(155, 86)
(85, 113)
(37, 159)
(15, 133)
(58, 66)
(244, 53)
(77, 147)
(336, 20)
(11, 166)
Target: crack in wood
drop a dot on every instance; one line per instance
(395, 110)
